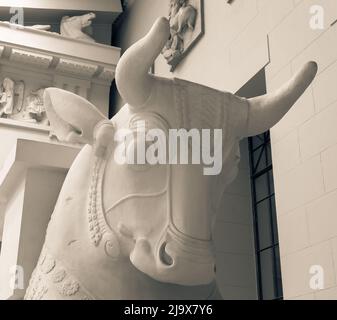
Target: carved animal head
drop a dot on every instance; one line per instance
(80, 22)
(86, 19)
(73, 26)
(162, 213)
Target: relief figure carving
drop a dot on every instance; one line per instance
(182, 16)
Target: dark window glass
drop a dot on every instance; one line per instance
(262, 189)
(267, 274)
(265, 225)
(265, 219)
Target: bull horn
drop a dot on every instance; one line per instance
(132, 78)
(265, 111)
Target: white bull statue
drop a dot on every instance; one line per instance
(144, 231)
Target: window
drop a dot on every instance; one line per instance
(265, 220)
(268, 269)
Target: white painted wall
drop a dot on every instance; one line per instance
(12, 226)
(305, 154)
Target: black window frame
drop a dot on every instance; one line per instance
(261, 166)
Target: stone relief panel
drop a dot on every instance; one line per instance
(30, 58)
(25, 75)
(17, 102)
(34, 109)
(11, 97)
(186, 19)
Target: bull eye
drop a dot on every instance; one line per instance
(164, 256)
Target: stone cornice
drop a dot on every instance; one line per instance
(31, 58)
(108, 74)
(58, 54)
(75, 67)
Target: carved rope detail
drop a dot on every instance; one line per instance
(94, 228)
(98, 227)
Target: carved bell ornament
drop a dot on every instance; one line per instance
(121, 233)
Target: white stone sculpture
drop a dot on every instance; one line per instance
(15, 107)
(182, 17)
(11, 98)
(35, 109)
(72, 27)
(144, 231)
(7, 97)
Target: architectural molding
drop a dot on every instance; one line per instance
(39, 41)
(26, 125)
(30, 57)
(108, 74)
(73, 65)
(76, 67)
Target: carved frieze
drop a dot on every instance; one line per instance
(14, 106)
(11, 97)
(48, 51)
(76, 67)
(108, 74)
(31, 58)
(186, 19)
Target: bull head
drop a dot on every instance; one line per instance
(144, 231)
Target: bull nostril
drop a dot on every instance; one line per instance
(164, 257)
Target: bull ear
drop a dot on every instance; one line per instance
(132, 73)
(72, 118)
(265, 111)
